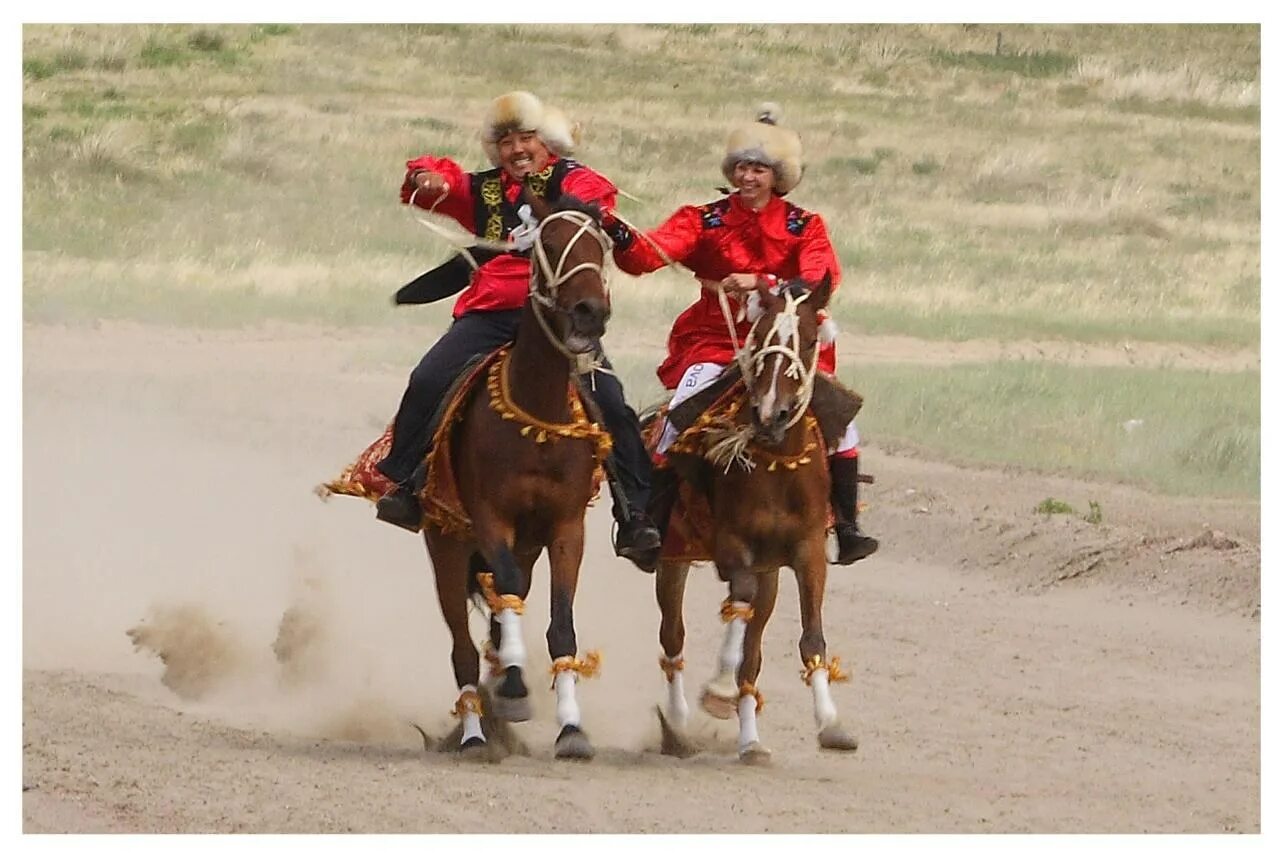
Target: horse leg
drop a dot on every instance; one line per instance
(449, 562)
(749, 699)
(511, 700)
(720, 695)
(673, 719)
(565, 556)
(819, 672)
(670, 592)
(494, 673)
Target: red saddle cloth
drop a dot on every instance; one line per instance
(441, 501)
(690, 531)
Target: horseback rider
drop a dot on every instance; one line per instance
(751, 239)
(523, 139)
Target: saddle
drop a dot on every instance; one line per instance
(362, 479)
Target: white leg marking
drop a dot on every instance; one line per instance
(512, 649)
(824, 708)
(677, 707)
(731, 651)
(470, 720)
(567, 711)
(747, 722)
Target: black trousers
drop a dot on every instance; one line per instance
(481, 332)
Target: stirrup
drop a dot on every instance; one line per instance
(401, 508)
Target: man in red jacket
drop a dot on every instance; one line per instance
(522, 138)
(752, 238)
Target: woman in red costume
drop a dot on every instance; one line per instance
(751, 239)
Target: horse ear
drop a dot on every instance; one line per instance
(540, 207)
(821, 293)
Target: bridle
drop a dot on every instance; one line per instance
(785, 330)
(545, 279)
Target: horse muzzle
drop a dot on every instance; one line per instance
(587, 320)
(771, 430)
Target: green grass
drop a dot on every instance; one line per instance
(1087, 183)
(1186, 432)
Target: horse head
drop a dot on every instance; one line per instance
(783, 351)
(568, 271)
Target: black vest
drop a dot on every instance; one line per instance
(495, 217)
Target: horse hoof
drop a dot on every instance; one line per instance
(674, 742)
(572, 743)
(756, 753)
(834, 737)
(720, 697)
(511, 699)
(511, 709)
(474, 749)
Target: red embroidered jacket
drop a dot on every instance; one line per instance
(720, 238)
(502, 283)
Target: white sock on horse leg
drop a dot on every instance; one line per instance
(677, 707)
(470, 720)
(512, 649)
(824, 708)
(731, 651)
(567, 711)
(747, 732)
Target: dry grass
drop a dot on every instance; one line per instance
(1085, 182)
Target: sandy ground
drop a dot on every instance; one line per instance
(1011, 672)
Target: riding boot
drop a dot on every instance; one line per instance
(401, 507)
(664, 487)
(854, 545)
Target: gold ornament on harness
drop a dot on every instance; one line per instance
(670, 666)
(584, 667)
(815, 663)
(580, 427)
(498, 603)
(730, 610)
(468, 702)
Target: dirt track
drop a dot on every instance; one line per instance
(1011, 672)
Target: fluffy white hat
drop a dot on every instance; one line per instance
(522, 111)
(763, 141)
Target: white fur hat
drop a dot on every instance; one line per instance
(763, 141)
(522, 111)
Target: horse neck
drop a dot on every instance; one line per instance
(538, 373)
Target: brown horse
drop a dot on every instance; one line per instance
(524, 457)
(762, 469)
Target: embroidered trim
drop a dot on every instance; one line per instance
(713, 213)
(797, 219)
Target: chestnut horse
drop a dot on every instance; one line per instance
(767, 484)
(524, 457)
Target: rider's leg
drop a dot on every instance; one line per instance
(472, 334)
(637, 535)
(843, 463)
(665, 482)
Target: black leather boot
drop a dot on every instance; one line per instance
(665, 486)
(854, 545)
(401, 507)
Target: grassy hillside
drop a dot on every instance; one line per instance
(1089, 183)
